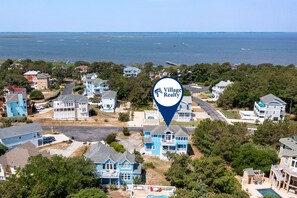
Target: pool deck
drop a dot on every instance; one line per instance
(142, 191)
(252, 190)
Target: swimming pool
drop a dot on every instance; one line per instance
(268, 191)
(157, 196)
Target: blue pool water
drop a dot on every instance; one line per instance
(157, 196)
(268, 191)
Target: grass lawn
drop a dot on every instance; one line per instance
(230, 114)
(249, 125)
(191, 123)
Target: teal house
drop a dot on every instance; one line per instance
(158, 140)
(113, 167)
(16, 105)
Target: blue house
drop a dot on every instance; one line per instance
(95, 87)
(16, 105)
(158, 140)
(16, 135)
(113, 167)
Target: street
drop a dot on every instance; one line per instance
(68, 88)
(92, 134)
(209, 109)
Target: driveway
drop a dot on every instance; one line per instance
(193, 88)
(93, 134)
(212, 112)
(68, 88)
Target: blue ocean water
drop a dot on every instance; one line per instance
(132, 48)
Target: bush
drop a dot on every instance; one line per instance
(92, 112)
(126, 131)
(80, 92)
(6, 124)
(14, 119)
(105, 120)
(36, 95)
(123, 117)
(149, 165)
(78, 88)
(118, 147)
(111, 138)
(3, 149)
(138, 157)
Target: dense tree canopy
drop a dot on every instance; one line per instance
(89, 193)
(55, 177)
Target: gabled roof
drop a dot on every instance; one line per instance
(100, 153)
(288, 153)
(43, 76)
(270, 98)
(224, 83)
(72, 97)
(250, 171)
(20, 130)
(29, 73)
(155, 130)
(15, 89)
(109, 94)
(289, 142)
(82, 67)
(19, 155)
(98, 81)
(131, 69)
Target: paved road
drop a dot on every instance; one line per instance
(209, 109)
(68, 88)
(92, 134)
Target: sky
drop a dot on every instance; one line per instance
(148, 16)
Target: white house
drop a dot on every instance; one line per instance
(131, 71)
(184, 110)
(219, 88)
(109, 101)
(270, 107)
(90, 76)
(71, 107)
(95, 86)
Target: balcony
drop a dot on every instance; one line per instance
(108, 173)
(168, 142)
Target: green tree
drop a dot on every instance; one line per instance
(126, 131)
(89, 193)
(257, 157)
(3, 149)
(36, 95)
(111, 138)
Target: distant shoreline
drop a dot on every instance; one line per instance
(12, 36)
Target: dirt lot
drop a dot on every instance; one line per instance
(81, 150)
(156, 176)
(60, 146)
(118, 194)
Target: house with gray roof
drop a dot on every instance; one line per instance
(16, 135)
(219, 88)
(284, 175)
(71, 107)
(95, 86)
(109, 101)
(18, 158)
(131, 71)
(113, 167)
(158, 140)
(270, 107)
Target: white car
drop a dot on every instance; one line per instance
(39, 107)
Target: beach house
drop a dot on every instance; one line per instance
(95, 86)
(16, 102)
(284, 175)
(41, 81)
(113, 167)
(16, 135)
(219, 88)
(82, 69)
(270, 107)
(71, 107)
(31, 76)
(131, 71)
(90, 76)
(18, 158)
(158, 140)
(109, 101)
(184, 111)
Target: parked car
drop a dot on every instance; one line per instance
(48, 139)
(39, 107)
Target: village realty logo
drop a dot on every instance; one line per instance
(168, 92)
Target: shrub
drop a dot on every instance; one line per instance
(111, 138)
(14, 119)
(123, 117)
(138, 157)
(105, 120)
(36, 95)
(92, 112)
(126, 131)
(80, 92)
(149, 165)
(3, 149)
(118, 147)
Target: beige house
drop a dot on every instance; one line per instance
(284, 175)
(18, 158)
(42, 81)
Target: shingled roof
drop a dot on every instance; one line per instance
(155, 130)
(270, 98)
(109, 94)
(100, 153)
(20, 130)
(72, 97)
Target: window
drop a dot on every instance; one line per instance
(153, 147)
(126, 165)
(155, 135)
(294, 162)
(109, 166)
(126, 176)
(20, 137)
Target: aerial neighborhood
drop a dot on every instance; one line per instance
(99, 120)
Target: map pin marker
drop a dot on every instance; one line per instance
(167, 93)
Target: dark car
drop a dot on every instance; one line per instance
(48, 139)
